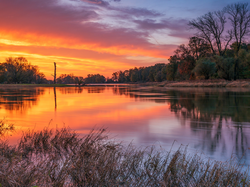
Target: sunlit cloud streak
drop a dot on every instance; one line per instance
(72, 27)
(100, 2)
(84, 30)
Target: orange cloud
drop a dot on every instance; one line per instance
(78, 62)
(47, 31)
(71, 42)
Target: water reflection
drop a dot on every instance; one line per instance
(220, 118)
(55, 98)
(70, 90)
(19, 99)
(215, 121)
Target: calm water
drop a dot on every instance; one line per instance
(215, 122)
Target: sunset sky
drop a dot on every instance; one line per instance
(97, 36)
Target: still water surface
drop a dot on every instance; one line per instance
(215, 122)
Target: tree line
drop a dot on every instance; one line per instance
(18, 70)
(191, 62)
(71, 79)
(218, 50)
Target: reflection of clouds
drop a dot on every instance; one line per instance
(159, 126)
(211, 120)
(206, 121)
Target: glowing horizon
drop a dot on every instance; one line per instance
(94, 36)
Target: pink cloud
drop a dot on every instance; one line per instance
(48, 18)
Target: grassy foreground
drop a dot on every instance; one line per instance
(62, 158)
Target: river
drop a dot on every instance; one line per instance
(212, 121)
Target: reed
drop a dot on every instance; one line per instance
(62, 158)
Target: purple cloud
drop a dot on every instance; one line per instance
(99, 2)
(74, 25)
(176, 27)
(149, 24)
(171, 24)
(137, 12)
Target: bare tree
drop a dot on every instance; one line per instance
(211, 28)
(239, 16)
(199, 47)
(54, 73)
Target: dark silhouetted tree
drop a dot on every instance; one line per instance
(211, 28)
(172, 68)
(95, 78)
(239, 16)
(199, 48)
(18, 70)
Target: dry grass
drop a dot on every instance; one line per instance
(5, 127)
(62, 158)
(207, 83)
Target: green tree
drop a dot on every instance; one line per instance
(145, 74)
(172, 68)
(225, 67)
(158, 76)
(204, 67)
(134, 75)
(244, 63)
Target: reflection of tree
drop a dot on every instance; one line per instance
(19, 99)
(96, 89)
(211, 113)
(141, 95)
(70, 90)
(73, 90)
(218, 116)
(55, 98)
(121, 91)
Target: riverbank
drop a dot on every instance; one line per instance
(62, 158)
(203, 83)
(190, 83)
(194, 86)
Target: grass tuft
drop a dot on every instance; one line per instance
(62, 158)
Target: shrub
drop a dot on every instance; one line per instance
(204, 67)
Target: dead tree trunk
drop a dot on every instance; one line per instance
(54, 73)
